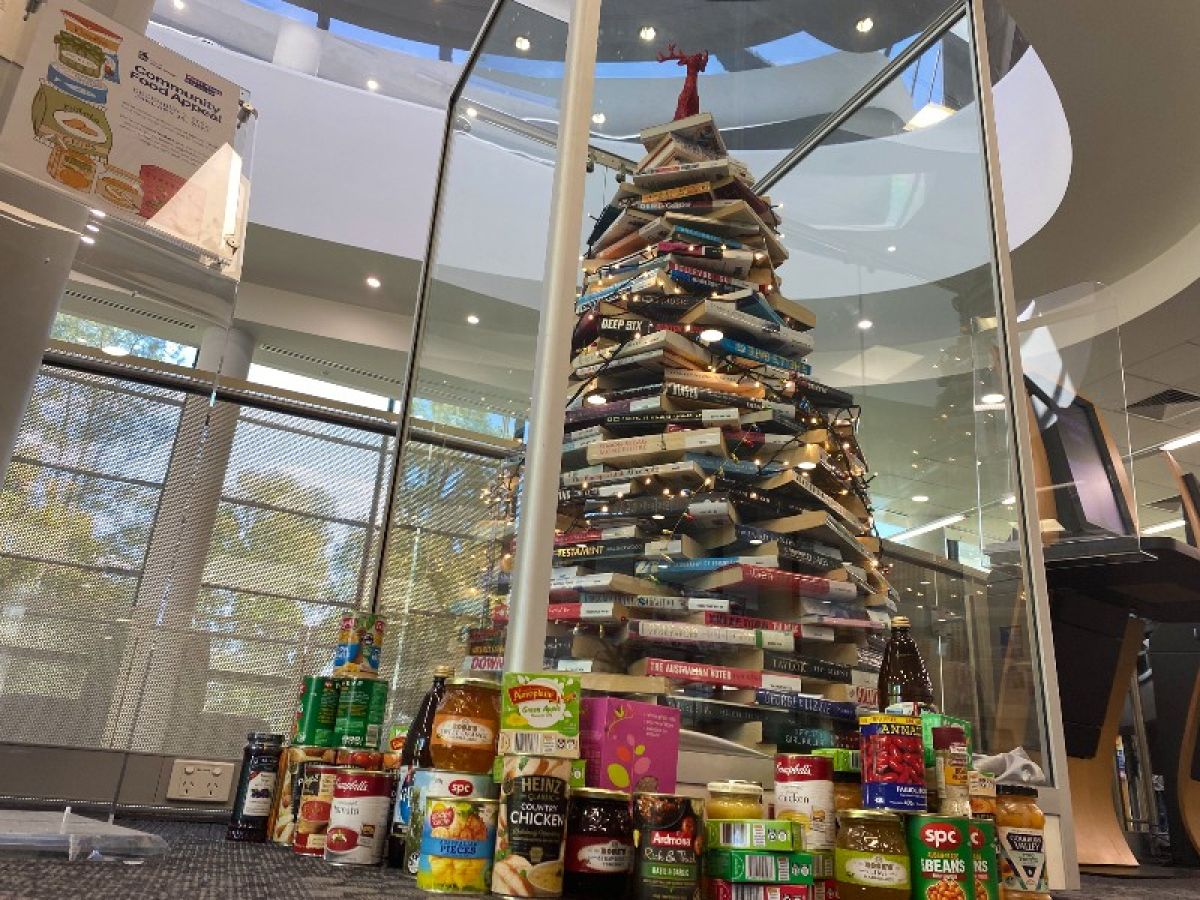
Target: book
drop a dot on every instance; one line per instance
(587, 612)
(645, 423)
(737, 384)
(655, 448)
(599, 492)
(660, 340)
(686, 633)
(565, 588)
(593, 535)
(758, 355)
(675, 472)
(846, 712)
(786, 341)
(699, 130)
(806, 667)
(694, 571)
(797, 312)
(634, 548)
(725, 676)
(766, 579)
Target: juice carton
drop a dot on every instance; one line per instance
(539, 714)
(630, 746)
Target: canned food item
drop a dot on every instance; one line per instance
(256, 788)
(358, 817)
(361, 705)
(390, 761)
(599, 854)
(408, 820)
(983, 855)
(281, 824)
(360, 638)
(360, 758)
(458, 840)
(893, 763)
(669, 843)
(871, 858)
(942, 865)
(316, 712)
(804, 794)
(532, 828)
(315, 783)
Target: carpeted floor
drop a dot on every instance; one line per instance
(202, 865)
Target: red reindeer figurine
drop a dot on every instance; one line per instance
(689, 97)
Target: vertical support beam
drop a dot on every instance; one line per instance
(524, 649)
(1013, 376)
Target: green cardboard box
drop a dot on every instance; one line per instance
(575, 779)
(843, 760)
(930, 721)
(751, 834)
(539, 714)
(759, 867)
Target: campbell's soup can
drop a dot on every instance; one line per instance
(804, 794)
(409, 814)
(315, 784)
(358, 817)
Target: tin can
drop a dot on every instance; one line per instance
(669, 842)
(361, 705)
(256, 788)
(804, 794)
(532, 829)
(942, 864)
(282, 823)
(409, 817)
(315, 783)
(358, 817)
(360, 758)
(390, 761)
(893, 763)
(316, 712)
(983, 855)
(457, 844)
(360, 638)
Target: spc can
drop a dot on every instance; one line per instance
(457, 844)
(282, 824)
(804, 794)
(360, 639)
(361, 705)
(315, 783)
(316, 712)
(668, 838)
(409, 815)
(358, 817)
(532, 829)
(983, 854)
(942, 864)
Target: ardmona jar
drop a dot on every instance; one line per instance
(466, 726)
(734, 800)
(871, 857)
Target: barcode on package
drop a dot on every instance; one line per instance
(735, 834)
(764, 868)
(526, 742)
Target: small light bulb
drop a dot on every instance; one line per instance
(372, 84)
(521, 43)
(648, 33)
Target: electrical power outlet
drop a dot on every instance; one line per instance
(200, 781)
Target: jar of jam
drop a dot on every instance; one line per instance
(599, 844)
(871, 856)
(734, 800)
(847, 791)
(1021, 835)
(467, 726)
(981, 787)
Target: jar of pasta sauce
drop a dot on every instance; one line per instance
(599, 844)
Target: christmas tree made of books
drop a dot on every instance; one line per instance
(714, 521)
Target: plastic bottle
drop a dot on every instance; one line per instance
(903, 677)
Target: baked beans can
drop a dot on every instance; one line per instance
(893, 763)
(358, 817)
(315, 783)
(983, 854)
(458, 841)
(409, 817)
(532, 829)
(361, 705)
(669, 842)
(360, 758)
(942, 863)
(282, 824)
(804, 795)
(360, 639)
(316, 712)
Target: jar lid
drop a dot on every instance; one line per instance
(946, 736)
(900, 622)
(1016, 790)
(847, 778)
(599, 794)
(264, 737)
(869, 815)
(465, 681)
(451, 798)
(734, 786)
(443, 671)
(358, 770)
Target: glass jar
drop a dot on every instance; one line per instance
(467, 726)
(871, 856)
(255, 788)
(1020, 832)
(982, 788)
(734, 800)
(847, 791)
(599, 844)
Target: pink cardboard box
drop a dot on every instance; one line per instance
(629, 746)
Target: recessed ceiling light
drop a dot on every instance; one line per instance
(1163, 526)
(597, 400)
(1186, 441)
(658, 517)
(98, 213)
(180, 5)
(372, 84)
(709, 335)
(992, 398)
(92, 227)
(373, 282)
(929, 114)
(920, 498)
(472, 319)
(864, 324)
(113, 350)
(891, 248)
(924, 582)
(87, 239)
(522, 43)
(599, 118)
(472, 112)
(648, 33)
(755, 541)
(862, 26)
(806, 465)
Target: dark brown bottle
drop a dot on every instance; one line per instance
(903, 677)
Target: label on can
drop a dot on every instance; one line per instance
(316, 712)
(893, 763)
(457, 844)
(312, 811)
(360, 639)
(281, 825)
(464, 731)
(983, 854)
(872, 870)
(669, 842)
(410, 820)
(1022, 859)
(595, 855)
(260, 789)
(940, 848)
(358, 817)
(361, 706)
(804, 794)
(532, 828)
(359, 758)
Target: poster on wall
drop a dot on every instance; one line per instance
(134, 129)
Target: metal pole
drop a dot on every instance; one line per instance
(1014, 382)
(526, 641)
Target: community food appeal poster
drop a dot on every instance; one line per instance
(137, 130)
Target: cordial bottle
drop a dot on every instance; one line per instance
(415, 755)
(903, 677)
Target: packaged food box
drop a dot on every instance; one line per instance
(728, 890)
(761, 867)
(630, 746)
(822, 864)
(825, 889)
(539, 714)
(930, 721)
(751, 834)
(843, 760)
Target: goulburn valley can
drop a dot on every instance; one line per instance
(361, 705)
(358, 817)
(532, 828)
(804, 795)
